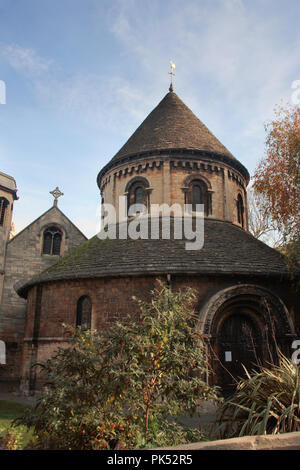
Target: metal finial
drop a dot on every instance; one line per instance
(172, 74)
(56, 193)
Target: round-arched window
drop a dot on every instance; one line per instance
(52, 241)
(138, 197)
(240, 210)
(198, 194)
(84, 312)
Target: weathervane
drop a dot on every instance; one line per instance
(172, 74)
(56, 193)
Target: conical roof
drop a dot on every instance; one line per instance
(172, 126)
(127, 257)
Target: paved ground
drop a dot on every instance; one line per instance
(17, 397)
(289, 441)
(207, 417)
(208, 411)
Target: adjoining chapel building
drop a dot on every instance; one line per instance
(244, 296)
(22, 256)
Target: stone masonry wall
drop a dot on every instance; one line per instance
(24, 259)
(167, 177)
(111, 301)
(4, 234)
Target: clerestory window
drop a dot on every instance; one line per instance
(137, 197)
(198, 194)
(240, 210)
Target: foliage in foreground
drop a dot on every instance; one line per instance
(266, 402)
(292, 252)
(277, 176)
(127, 387)
(12, 438)
(277, 182)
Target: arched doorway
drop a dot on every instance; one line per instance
(238, 345)
(245, 325)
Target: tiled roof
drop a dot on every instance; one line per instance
(172, 126)
(227, 249)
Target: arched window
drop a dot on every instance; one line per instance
(137, 196)
(52, 241)
(198, 194)
(2, 353)
(3, 205)
(240, 210)
(84, 313)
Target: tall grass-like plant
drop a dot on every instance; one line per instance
(267, 401)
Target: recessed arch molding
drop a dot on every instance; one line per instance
(256, 296)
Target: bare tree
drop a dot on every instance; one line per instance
(261, 223)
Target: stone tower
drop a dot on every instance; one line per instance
(8, 194)
(243, 290)
(171, 152)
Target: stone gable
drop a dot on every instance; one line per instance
(23, 260)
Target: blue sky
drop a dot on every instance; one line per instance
(81, 75)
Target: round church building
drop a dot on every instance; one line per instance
(175, 165)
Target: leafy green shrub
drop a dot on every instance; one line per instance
(126, 387)
(10, 438)
(265, 402)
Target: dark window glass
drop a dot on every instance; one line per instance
(52, 241)
(56, 243)
(139, 195)
(199, 195)
(47, 243)
(84, 313)
(3, 205)
(240, 210)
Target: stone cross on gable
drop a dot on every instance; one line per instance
(56, 193)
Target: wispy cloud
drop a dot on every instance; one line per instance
(236, 48)
(95, 99)
(233, 61)
(24, 60)
(233, 64)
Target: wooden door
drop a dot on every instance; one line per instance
(238, 344)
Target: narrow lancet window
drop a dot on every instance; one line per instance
(84, 313)
(3, 206)
(240, 210)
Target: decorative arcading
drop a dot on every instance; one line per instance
(133, 169)
(188, 165)
(180, 153)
